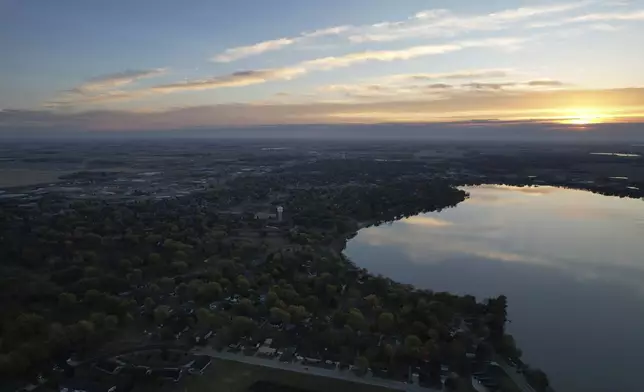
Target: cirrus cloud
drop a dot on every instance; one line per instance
(119, 79)
(250, 50)
(241, 52)
(253, 77)
(236, 79)
(104, 88)
(425, 24)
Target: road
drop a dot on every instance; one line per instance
(517, 377)
(346, 375)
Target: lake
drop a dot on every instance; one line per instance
(571, 263)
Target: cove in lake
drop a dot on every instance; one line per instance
(570, 262)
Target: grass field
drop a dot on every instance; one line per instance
(229, 376)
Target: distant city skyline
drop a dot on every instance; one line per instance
(164, 65)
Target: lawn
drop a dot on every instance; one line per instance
(228, 376)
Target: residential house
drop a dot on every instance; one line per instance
(265, 215)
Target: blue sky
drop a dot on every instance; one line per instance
(253, 62)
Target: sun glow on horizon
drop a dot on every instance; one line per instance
(585, 117)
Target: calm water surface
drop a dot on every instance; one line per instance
(571, 263)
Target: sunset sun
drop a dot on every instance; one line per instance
(584, 117)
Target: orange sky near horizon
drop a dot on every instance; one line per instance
(99, 67)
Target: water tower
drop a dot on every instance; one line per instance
(280, 210)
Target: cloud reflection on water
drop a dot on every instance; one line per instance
(423, 220)
(574, 231)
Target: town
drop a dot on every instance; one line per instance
(158, 272)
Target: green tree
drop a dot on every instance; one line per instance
(339, 318)
(225, 284)
(484, 351)
(331, 290)
(67, 300)
(149, 304)
(298, 313)
(154, 289)
(311, 303)
(289, 295)
(496, 318)
(154, 259)
(85, 331)
(227, 267)
(280, 315)
(128, 319)
(28, 325)
(194, 288)
(94, 239)
(356, 320)
(153, 239)
(15, 363)
(125, 265)
(419, 328)
(92, 272)
(242, 284)
(211, 291)
(111, 323)
(135, 277)
(161, 314)
(509, 347)
(166, 333)
(264, 280)
(413, 344)
(244, 307)
(98, 319)
(179, 267)
(372, 301)
(456, 353)
(271, 299)
(204, 317)
(57, 337)
(361, 365)
(483, 332)
(386, 322)
(182, 290)
(430, 350)
(93, 297)
(390, 352)
(166, 284)
(242, 325)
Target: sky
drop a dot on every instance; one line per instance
(166, 64)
